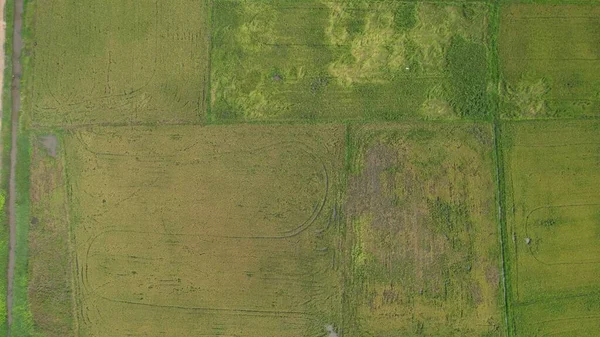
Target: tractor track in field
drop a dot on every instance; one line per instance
(17, 44)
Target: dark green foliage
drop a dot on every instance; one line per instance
(467, 71)
(405, 16)
(451, 220)
(547, 223)
(356, 25)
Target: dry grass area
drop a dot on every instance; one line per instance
(50, 290)
(424, 245)
(218, 231)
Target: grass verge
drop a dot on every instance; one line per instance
(493, 106)
(5, 153)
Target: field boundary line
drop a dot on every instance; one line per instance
(12, 185)
(551, 119)
(5, 102)
(301, 121)
(500, 194)
(70, 241)
(550, 2)
(494, 64)
(208, 85)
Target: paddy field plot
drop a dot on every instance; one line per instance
(214, 231)
(50, 291)
(313, 60)
(553, 212)
(550, 60)
(423, 239)
(116, 61)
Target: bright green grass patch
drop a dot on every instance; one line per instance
(352, 60)
(424, 256)
(5, 153)
(116, 61)
(22, 324)
(553, 217)
(550, 60)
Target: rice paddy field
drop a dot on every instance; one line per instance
(315, 168)
(246, 237)
(424, 253)
(550, 60)
(553, 198)
(365, 60)
(92, 62)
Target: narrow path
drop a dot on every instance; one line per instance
(499, 163)
(2, 63)
(14, 129)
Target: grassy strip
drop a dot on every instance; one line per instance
(22, 319)
(207, 85)
(348, 316)
(552, 2)
(493, 106)
(22, 324)
(5, 143)
(499, 160)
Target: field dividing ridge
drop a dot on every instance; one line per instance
(17, 44)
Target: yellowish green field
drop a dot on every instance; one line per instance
(285, 168)
(217, 231)
(550, 60)
(332, 59)
(424, 249)
(50, 291)
(553, 213)
(116, 61)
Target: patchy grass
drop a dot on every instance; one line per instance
(424, 251)
(550, 60)
(50, 292)
(553, 208)
(319, 60)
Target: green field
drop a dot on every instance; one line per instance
(314, 168)
(236, 223)
(424, 256)
(550, 60)
(347, 60)
(117, 61)
(50, 290)
(553, 185)
(227, 230)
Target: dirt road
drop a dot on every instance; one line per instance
(14, 128)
